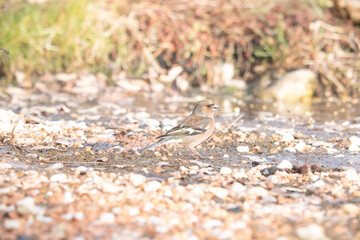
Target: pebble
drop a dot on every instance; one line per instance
(55, 166)
(11, 224)
(226, 156)
(109, 188)
(311, 232)
(268, 171)
(355, 140)
(351, 209)
(237, 188)
(212, 223)
(354, 147)
(107, 218)
(332, 151)
(257, 191)
(287, 137)
(152, 186)
(352, 175)
(137, 179)
(300, 146)
(5, 166)
(319, 184)
(219, 192)
(68, 198)
(239, 174)
(290, 149)
(27, 206)
(59, 177)
(243, 149)
(225, 171)
(285, 164)
(273, 179)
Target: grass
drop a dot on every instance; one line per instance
(59, 36)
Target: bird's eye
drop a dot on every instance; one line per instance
(210, 105)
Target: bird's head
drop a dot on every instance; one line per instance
(205, 108)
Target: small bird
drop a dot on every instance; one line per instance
(193, 130)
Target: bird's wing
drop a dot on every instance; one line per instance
(195, 122)
(181, 131)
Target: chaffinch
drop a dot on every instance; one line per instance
(193, 130)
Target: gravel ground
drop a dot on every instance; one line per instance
(67, 172)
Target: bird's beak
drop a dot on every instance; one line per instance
(215, 107)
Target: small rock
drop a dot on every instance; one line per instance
(285, 164)
(287, 137)
(11, 224)
(239, 174)
(225, 171)
(300, 146)
(27, 206)
(352, 175)
(237, 188)
(354, 147)
(152, 186)
(273, 179)
(5, 166)
(355, 140)
(268, 171)
(109, 188)
(226, 156)
(137, 179)
(257, 191)
(107, 218)
(243, 149)
(311, 232)
(219, 192)
(55, 166)
(290, 149)
(319, 184)
(60, 177)
(332, 151)
(212, 223)
(351, 209)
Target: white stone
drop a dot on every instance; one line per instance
(311, 232)
(300, 146)
(290, 149)
(109, 188)
(239, 173)
(219, 192)
(355, 140)
(352, 175)
(55, 166)
(354, 147)
(212, 223)
(137, 179)
(107, 218)
(5, 165)
(257, 191)
(27, 206)
(273, 179)
(319, 184)
(243, 149)
(11, 224)
(237, 188)
(225, 170)
(68, 198)
(287, 137)
(59, 177)
(226, 156)
(332, 151)
(285, 164)
(152, 186)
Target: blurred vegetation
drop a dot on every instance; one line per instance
(133, 36)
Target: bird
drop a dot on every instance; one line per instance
(197, 127)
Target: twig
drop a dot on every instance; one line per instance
(6, 53)
(237, 119)
(332, 78)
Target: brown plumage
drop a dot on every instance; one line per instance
(193, 130)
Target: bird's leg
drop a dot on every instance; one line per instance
(195, 152)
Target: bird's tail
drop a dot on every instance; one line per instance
(153, 145)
